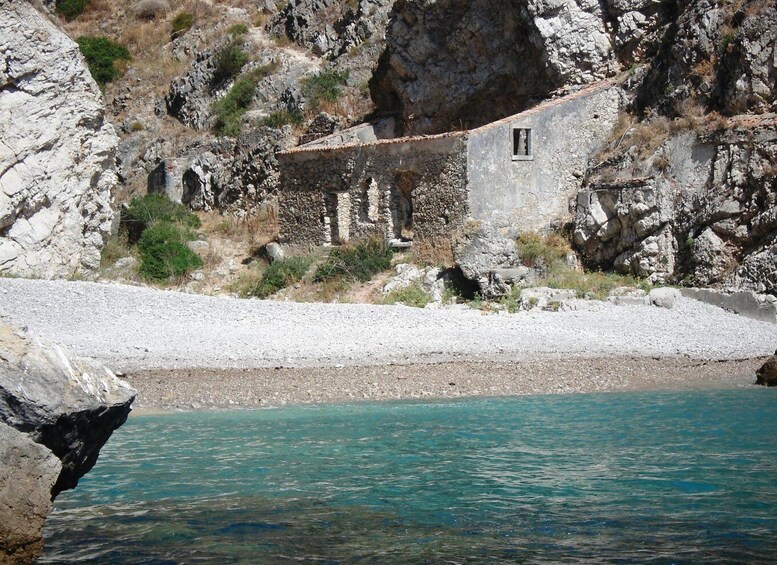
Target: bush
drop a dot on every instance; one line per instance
(104, 58)
(280, 274)
(164, 253)
(542, 251)
(150, 9)
(71, 9)
(152, 208)
(356, 262)
(412, 295)
(324, 86)
(229, 60)
(238, 29)
(282, 118)
(182, 23)
(230, 109)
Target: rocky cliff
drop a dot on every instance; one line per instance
(56, 151)
(56, 412)
(452, 64)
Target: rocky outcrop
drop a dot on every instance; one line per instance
(330, 28)
(56, 151)
(451, 63)
(767, 374)
(56, 413)
(701, 209)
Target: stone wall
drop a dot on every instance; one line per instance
(533, 192)
(332, 195)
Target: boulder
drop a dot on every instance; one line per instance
(28, 471)
(56, 412)
(57, 152)
(767, 374)
(664, 297)
(484, 254)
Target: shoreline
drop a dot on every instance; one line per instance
(186, 390)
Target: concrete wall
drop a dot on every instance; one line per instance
(341, 193)
(530, 194)
(363, 133)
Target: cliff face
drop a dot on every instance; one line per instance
(462, 63)
(56, 151)
(56, 413)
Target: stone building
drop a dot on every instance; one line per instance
(523, 171)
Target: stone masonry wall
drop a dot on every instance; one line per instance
(350, 192)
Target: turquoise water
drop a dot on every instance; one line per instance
(648, 477)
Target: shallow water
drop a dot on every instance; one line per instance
(650, 477)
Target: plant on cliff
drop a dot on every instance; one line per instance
(282, 118)
(228, 62)
(181, 24)
(71, 9)
(325, 86)
(164, 253)
(106, 60)
(359, 262)
(229, 110)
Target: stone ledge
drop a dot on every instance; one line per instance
(762, 307)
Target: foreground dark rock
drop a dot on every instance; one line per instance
(56, 413)
(767, 374)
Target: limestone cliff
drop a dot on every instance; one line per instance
(450, 64)
(56, 150)
(56, 413)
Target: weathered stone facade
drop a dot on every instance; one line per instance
(521, 172)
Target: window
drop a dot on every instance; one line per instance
(522, 144)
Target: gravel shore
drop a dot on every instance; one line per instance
(254, 352)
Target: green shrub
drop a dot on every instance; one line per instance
(164, 253)
(229, 60)
(545, 251)
(230, 109)
(281, 118)
(356, 262)
(104, 58)
(182, 23)
(152, 208)
(324, 86)
(280, 274)
(71, 9)
(238, 29)
(412, 295)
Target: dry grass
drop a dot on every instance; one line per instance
(437, 251)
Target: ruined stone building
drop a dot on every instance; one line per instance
(521, 171)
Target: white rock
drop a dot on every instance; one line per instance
(664, 297)
(56, 152)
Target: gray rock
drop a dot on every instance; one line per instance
(628, 296)
(274, 251)
(28, 471)
(71, 405)
(664, 297)
(406, 275)
(480, 251)
(767, 374)
(546, 298)
(57, 152)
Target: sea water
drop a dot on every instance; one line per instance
(660, 477)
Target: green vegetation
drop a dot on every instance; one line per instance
(325, 86)
(229, 60)
(357, 262)
(152, 208)
(71, 9)
(412, 295)
(106, 60)
(281, 118)
(117, 247)
(160, 229)
(279, 275)
(181, 23)
(230, 109)
(164, 253)
(238, 29)
(547, 251)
